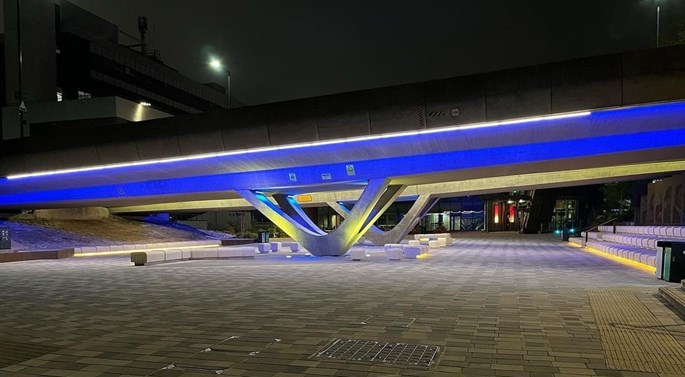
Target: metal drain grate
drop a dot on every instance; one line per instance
(417, 355)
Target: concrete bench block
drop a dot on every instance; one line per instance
(186, 253)
(651, 260)
(141, 258)
(173, 254)
(102, 248)
(236, 252)
(389, 246)
(411, 252)
(414, 242)
(394, 253)
(88, 249)
(116, 248)
(263, 248)
(204, 253)
(442, 242)
(357, 253)
(293, 246)
(433, 244)
(128, 247)
(276, 246)
(78, 250)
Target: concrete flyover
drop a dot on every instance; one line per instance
(599, 119)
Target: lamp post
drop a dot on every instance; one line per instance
(658, 14)
(218, 66)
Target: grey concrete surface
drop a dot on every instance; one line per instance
(496, 305)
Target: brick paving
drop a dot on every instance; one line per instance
(496, 305)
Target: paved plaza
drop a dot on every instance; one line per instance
(490, 305)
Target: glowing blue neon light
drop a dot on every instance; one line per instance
(670, 117)
(396, 166)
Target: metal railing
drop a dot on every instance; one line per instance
(597, 226)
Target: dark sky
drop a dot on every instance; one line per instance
(284, 49)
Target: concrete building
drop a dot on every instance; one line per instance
(68, 55)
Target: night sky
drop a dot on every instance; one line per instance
(285, 49)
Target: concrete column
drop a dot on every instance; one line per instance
(374, 200)
(421, 206)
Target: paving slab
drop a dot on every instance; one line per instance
(494, 305)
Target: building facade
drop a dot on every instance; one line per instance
(69, 54)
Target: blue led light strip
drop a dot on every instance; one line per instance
(299, 145)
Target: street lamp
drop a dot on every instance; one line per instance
(658, 11)
(218, 66)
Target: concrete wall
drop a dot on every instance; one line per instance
(664, 203)
(589, 83)
(84, 213)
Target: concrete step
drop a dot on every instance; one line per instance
(682, 283)
(674, 296)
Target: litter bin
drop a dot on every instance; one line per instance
(5, 239)
(564, 234)
(670, 261)
(263, 236)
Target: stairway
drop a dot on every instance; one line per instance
(675, 296)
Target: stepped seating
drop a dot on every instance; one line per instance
(637, 243)
(675, 296)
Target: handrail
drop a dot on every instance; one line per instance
(597, 226)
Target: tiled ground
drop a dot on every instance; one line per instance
(496, 305)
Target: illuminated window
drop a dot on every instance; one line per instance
(512, 214)
(497, 213)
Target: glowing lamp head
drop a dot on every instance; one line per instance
(216, 64)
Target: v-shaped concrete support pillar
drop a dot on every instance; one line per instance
(288, 215)
(421, 206)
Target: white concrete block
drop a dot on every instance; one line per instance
(414, 242)
(394, 253)
(442, 242)
(235, 252)
(116, 248)
(411, 252)
(276, 246)
(204, 253)
(358, 253)
(433, 244)
(102, 248)
(263, 248)
(173, 254)
(141, 258)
